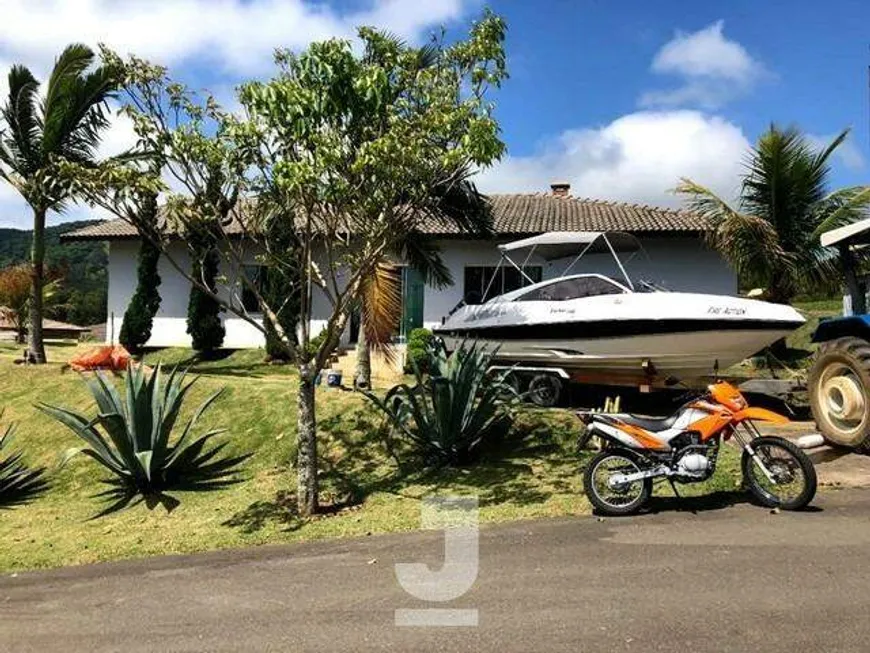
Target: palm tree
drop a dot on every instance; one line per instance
(38, 133)
(456, 203)
(771, 237)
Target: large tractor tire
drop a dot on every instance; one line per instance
(839, 389)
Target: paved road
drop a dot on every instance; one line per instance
(728, 578)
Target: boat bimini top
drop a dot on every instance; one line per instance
(555, 245)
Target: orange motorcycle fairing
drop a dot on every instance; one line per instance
(644, 437)
(711, 425)
(759, 414)
(727, 395)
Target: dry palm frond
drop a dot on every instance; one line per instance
(381, 306)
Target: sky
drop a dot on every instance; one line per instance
(620, 99)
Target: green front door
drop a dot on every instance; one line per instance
(412, 300)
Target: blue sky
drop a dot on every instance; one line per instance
(618, 98)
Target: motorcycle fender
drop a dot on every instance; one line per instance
(759, 415)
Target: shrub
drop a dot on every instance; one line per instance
(134, 440)
(449, 414)
(203, 311)
(315, 343)
(416, 350)
(18, 483)
(143, 306)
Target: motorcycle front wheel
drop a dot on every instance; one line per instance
(615, 499)
(793, 482)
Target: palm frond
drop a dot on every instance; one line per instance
(843, 206)
(457, 201)
(422, 253)
(20, 149)
(381, 305)
(750, 244)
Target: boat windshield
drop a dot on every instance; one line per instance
(572, 288)
(649, 286)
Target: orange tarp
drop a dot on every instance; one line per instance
(107, 357)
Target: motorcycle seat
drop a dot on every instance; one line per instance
(653, 424)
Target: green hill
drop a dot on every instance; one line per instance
(83, 266)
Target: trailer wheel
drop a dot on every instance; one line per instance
(545, 390)
(839, 383)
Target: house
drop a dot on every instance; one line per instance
(51, 329)
(674, 255)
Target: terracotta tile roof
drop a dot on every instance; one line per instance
(513, 214)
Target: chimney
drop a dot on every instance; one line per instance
(560, 188)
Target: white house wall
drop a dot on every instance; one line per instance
(679, 263)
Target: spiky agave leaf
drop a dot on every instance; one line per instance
(447, 415)
(132, 437)
(19, 483)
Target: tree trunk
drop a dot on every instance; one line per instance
(35, 346)
(306, 445)
(362, 377)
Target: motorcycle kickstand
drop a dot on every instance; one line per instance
(674, 488)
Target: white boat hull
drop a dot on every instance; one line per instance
(634, 358)
(628, 338)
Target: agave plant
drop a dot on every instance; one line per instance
(447, 415)
(131, 436)
(18, 483)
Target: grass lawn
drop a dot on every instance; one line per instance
(535, 472)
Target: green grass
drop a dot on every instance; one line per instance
(534, 473)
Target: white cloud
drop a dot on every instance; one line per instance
(239, 35)
(639, 157)
(713, 69)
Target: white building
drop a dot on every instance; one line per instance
(674, 256)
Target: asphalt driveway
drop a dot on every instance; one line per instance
(724, 578)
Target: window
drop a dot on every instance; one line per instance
(257, 275)
(478, 278)
(572, 289)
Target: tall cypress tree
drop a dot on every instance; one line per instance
(143, 306)
(203, 311)
(281, 291)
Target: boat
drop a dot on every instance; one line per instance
(595, 328)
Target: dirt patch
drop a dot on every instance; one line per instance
(835, 467)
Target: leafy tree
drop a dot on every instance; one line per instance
(15, 284)
(771, 237)
(139, 317)
(82, 264)
(36, 134)
(355, 149)
(14, 295)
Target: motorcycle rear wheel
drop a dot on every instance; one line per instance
(793, 472)
(609, 500)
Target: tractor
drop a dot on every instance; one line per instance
(839, 380)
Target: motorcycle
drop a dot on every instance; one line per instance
(684, 448)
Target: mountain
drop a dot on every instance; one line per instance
(83, 266)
